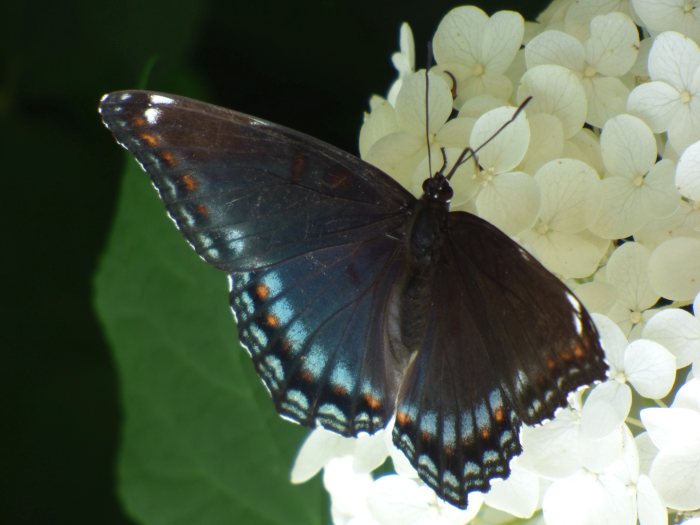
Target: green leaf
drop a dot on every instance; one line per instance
(201, 441)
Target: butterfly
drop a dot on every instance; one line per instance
(359, 303)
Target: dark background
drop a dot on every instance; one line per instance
(308, 65)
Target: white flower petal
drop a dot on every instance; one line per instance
(688, 396)
(550, 450)
(620, 210)
(650, 508)
(395, 500)
(598, 297)
(612, 47)
(410, 103)
(455, 133)
(605, 409)
(518, 495)
(555, 47)
(510, 201)
(674, 429)
(674, 59)
(628, 146)
(647, 451)
(458, 37)
(348, 490)
(676, 475)
(379, 123)
(674, 269)
(670, 15)
(688, 172)
(502, 39)
(557, 91)
(650, 368)
(370, 451)
(655, 102)
(678, 331)
(319, 447)
(659, 196)
(588, 149)
(508, 147)
(579, 15)
(613, 340)
(628, 270)
(683, 222)
(546, 141)
(566, 186)
(606, 97)
(569, 255)
(599, 455)
(586, 499)
(398, 154)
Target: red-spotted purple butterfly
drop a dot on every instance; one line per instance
(357, 301)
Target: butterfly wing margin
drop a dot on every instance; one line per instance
(508, 349)
(246, 192)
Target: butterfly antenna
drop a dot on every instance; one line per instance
(469, 152)
(428, 62)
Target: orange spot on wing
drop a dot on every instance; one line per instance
(425, 436)
(262, 292)
(551, 364)
(285, 346)
(340, 390)
(168, 158)
(202, 210)
(307, 376)
(579, 352)
(271, 321)
(567, 356)
(499, 415)
(485, 433)
(189, 182)
(339, 178)
(138, 121)
(298, 167)
(403, 419)
(372, 401)
(449, 450)
(149, 139)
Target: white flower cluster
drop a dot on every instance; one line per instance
(600, 179)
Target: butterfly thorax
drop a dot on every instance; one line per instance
(426, 235)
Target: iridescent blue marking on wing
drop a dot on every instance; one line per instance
(316, 334)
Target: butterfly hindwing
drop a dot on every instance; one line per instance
(505, 352)
(310, 236)
(315, 329)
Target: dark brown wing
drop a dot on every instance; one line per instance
(506, 342)
(246, 192)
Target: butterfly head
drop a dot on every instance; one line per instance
(437, 189)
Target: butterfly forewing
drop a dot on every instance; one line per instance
(246, 192)
(310, 237)
(509, 346)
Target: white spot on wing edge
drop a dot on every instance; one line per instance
(152, 115)
(160, 99)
